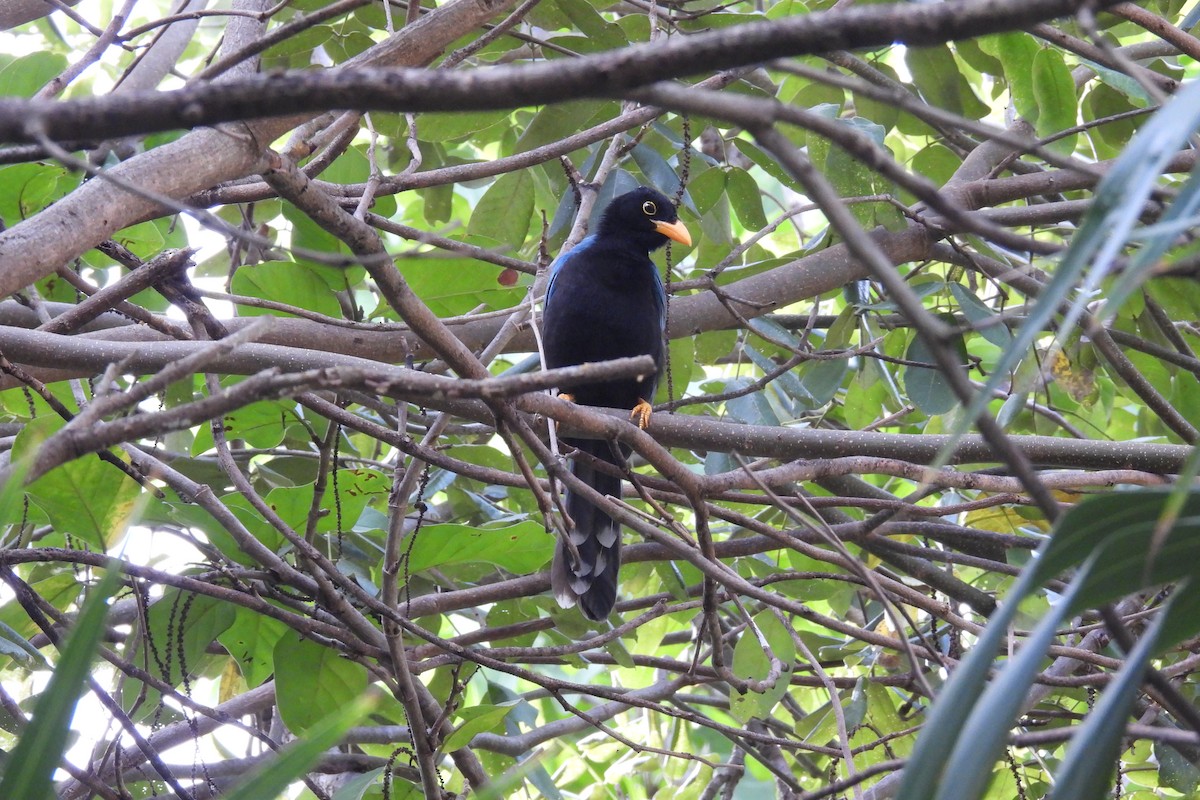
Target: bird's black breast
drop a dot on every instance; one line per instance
(603, 306)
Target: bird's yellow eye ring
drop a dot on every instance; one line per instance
(649, 209)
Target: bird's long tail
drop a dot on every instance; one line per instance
(585, 568)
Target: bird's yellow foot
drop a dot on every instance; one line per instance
(641, 414)
(570, 398)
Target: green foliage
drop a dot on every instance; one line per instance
(314, 682)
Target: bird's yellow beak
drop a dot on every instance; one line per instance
(676, 231)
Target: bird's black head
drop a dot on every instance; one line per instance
(645, 217)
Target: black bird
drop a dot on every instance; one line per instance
(605, 300)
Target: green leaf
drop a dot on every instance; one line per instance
(682, 360)
(926, 386)
(555, 122)
(1116, 539)
(1136, 553)
(301, 43)
(59, 590)
(750, 409)
(821, 378)
(941, 81)
(520, 548)
(504, 212)
(87, 497)
(768, 164)
(284, 282)
(26, 189)
(978, 57)
(604, 34)
(981, 741)
(746, 199)
(936, 162)
(476, 719)
(355, 488)
(1101, 102)
(752, 663)
(356, 787)
(251, 639)
(308, 235)
(314, 683)
(1175, 770)
(261, 425)
(981, 316)
(1017, 51)
(1104, 232)
(452, 286)
(27, 74)
(706, 190)
(658, 172)
(1054, 91)
(449, 126)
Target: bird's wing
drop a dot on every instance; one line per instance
(660, 297)
(557, 265)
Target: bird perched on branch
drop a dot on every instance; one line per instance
(605, 300)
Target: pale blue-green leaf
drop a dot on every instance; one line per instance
(658, 172)
(822, 378)
(752, 409)
(926, 386)
(356, 787)
(986, 321)
(564, 214)
(772, 331)
(872, 130)
(1121, 82)
(1175, 770)
(856, 710)
(1010, 409)
(19, 648)
(788, 382)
